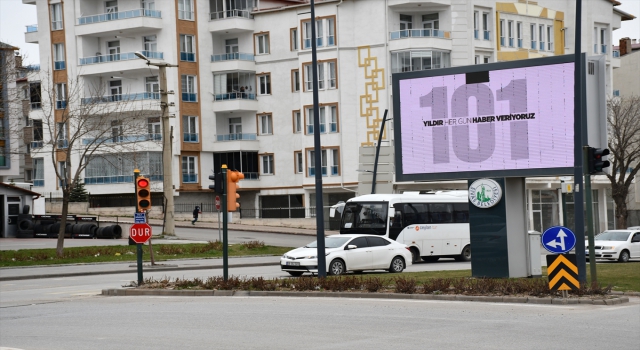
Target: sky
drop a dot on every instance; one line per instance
(15, 16)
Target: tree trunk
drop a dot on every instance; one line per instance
(619, 194)
(63, 224)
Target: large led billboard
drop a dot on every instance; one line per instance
(502, 119)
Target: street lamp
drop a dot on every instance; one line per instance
(167, 164)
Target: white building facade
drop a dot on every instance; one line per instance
(242, 88)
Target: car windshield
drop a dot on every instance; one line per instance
(613, 236)
(330, 242)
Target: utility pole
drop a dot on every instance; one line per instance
(167, 165)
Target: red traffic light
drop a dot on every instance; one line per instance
(143, 183)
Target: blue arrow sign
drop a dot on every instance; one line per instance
(558, 239)
(139, 218)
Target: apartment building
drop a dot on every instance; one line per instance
(243, 87)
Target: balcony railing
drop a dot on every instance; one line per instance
(37, 144)
(136, 96)
(187, 56)
(187, 15)
(33, 67)
(502, 40)
(510, 42)
(58, 65)
(114, 179)
(36, 105)
(38, 183)
(32, 28)
(121, 139)
(237, 137)
(62, 143)
(189, 178)
(190, 137)
(61, 104)
(416, 33)
(230, 14)
(105, 17)
(235, 96)
(232, 56)
(603, 49)
(616, 53)
(323, 128)
(189, 97)
(487, 35)
(542, 46)
(533, 45)
(476, 34)
(520, 43)
(120, 57)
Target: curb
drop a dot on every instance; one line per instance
(444, 297)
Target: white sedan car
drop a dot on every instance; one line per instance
(348, 253)
(620, 245)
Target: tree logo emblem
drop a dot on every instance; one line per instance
(485, 193)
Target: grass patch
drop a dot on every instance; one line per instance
(76, 255)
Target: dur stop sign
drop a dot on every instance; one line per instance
(140, 233)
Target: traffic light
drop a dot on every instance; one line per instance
(596, 160)
(143, 194)
(218, 184)
(232, 185)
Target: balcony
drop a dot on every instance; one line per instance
(616, 53)
(235, 101)
(59, 65)
(237, 137)
(231, 21)
(115, 179)
(237, 61)
(37, 144)
(189, 178)
(120, 57)
(61, 144)
(38, 183)
(190, 137)
(107, 64)
(123, 22)
(187, 56)
(31, 35)
(407, 39)
(324, 169)
(189, 97)
(121, 139)
(136, 96)
(61, 104)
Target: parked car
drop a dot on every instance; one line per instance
(620, 245)
(634, 228)
(353, 252)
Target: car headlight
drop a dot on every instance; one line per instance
(311, 257)
(608, 248)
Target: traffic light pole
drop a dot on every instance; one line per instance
(225, 224)
(136, 173)
(589, 203)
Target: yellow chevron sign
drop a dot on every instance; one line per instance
(563, 272)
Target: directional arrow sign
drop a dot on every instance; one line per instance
(558, 239)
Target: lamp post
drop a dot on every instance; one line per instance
(167, 164)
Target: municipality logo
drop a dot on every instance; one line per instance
(485, 193)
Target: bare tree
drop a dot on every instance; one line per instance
(82, 123)
(623, 120)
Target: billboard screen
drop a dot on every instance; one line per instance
(503, 119)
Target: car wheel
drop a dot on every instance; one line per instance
(465, 255)
(624, 256)
(415, 255)
(337, 267)
(397, 265)
(295, 273)
(430, 258)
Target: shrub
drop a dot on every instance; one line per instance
(405, 285)
(436, 285)
(373, 284)
(252, 244)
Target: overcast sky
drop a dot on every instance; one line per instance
(15, 16)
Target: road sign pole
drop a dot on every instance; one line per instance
(589, 204)
(225, 244)
(136, 173)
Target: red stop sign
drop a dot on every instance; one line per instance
(140, 233)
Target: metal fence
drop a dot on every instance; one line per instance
(188, 207)
(122, 200)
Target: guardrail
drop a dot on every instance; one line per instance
(416, 33)
(105, 17)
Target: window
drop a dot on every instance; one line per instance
(187, 48)
(532, 28)
(298, 165)
(323, 79)
(293, 39)
(152, 88)
(417, 60)
(476, 24)
(35, 95)
(519, 33)
(61, 96)
(111, 9)
(185, 9)
(502, 33)
(235, 128)
(267, 164)
(150, 43)
(406, 22)
(330, 159)
(603, 40)
(188, 85)
(115, 90)
(476, 59)
(231, 48)
(297, 122)
(58, 57)
(541, 37)
(431, 23)
(595, 40)
(616, 93)
(549, 38)
(510, 33)
(116, 131)
(264, 84)
(262, 44)
(190, 129)
(487, 59)
(189, 170)
(154, 128)
(485, 26)
(295, 80)
(61, 135)
(113, 50)
(265, 124)
(38, 172)
(328, 119)
(325, 27)
(56, 16)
